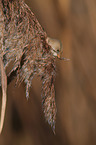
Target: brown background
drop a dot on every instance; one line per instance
(74, 23)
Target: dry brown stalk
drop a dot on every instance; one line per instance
(4, 93)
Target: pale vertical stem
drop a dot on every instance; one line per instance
(4, 94)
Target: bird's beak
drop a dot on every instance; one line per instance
(58, 55)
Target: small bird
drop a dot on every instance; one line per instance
(56, 46)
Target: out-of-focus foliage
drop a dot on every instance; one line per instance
(74, 23)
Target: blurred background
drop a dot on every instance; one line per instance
(74, 23)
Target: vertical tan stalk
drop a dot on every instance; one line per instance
(4, 94)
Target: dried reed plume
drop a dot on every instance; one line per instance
(24, 42)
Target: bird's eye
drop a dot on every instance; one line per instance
(58, 50)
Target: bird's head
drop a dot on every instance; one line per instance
(56, 46)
